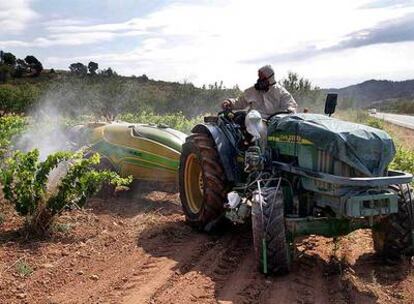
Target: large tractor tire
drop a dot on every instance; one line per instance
(272, 249)
(392, 236)
(202, 182)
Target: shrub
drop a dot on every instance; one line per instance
(173, 120)
(26, 185)
(18, 98)
(23, 268)
(10, 125)
(403, 160)
(375, 123)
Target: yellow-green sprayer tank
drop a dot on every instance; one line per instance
(145, 151)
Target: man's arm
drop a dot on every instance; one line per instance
(235, 103)
(287, 102)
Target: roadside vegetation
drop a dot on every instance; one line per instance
(403, 138)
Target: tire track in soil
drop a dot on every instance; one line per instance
(201, 282)
(178, 253)
(306, 283)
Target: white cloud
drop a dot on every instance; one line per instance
(69, 39)
(214, 40)
(15, 15)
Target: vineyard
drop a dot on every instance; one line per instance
(61, 242)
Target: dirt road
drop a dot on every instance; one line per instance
(137, 249)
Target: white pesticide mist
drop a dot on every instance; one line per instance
(45, 132)
(74, 99)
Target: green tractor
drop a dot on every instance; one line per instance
(295, 175)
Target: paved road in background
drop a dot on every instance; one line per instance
(406, 121)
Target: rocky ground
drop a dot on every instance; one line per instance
(136, 248)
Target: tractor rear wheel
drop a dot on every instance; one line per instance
(202, 182)
(272, 249)
(392, 236)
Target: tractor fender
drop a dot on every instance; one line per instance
(225, 149)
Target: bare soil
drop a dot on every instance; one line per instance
(136, 248)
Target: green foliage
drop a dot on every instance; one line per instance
(93, 67)
(403, 106)
(5, 72)
(404, 160)
(61, 227)
(34, 65)
(296, 84)
(173, 120)
(358, 116)
(23, 268)
(18, 98)
(10, 125)
(9, 59)
(78, 68)
(305, 94)
(25, 184)
(375, 123)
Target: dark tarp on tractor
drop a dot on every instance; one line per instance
(364, 148)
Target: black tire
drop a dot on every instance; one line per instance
(271, 227)
(392, 236)
(204, 206)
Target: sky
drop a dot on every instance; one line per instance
(334, 43)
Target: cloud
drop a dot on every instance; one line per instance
(69, 39)
(398, 30)
(205, 41)
(388, 3)
(394, 31)
(15, 15)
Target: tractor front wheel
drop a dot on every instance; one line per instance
(272, 249)
(393, 235)
(202, 182)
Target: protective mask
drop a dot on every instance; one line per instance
(263, 84)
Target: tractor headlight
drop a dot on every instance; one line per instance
(255, 125)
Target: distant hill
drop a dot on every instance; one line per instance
(375, 92)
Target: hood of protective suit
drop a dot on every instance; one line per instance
(269, 73)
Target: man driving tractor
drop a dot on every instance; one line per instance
(266, 96)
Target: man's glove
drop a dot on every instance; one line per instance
(226, 105)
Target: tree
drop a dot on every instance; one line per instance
(93, 67)
(9, 59)
(34, 65)
(108, 72)
(296, 84)
(5, 72)
(305, 94)
(78, 69)
(20, 68)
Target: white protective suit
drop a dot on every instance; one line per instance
(276, 99)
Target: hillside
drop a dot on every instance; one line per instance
(375, 91)
(110, 95)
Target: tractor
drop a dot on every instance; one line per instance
(295, 175)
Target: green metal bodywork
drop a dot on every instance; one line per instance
(147, 152)
(351, 207)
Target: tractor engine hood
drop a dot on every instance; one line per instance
(364, 148)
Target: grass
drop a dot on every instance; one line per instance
(23, 268)
(62, 228)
